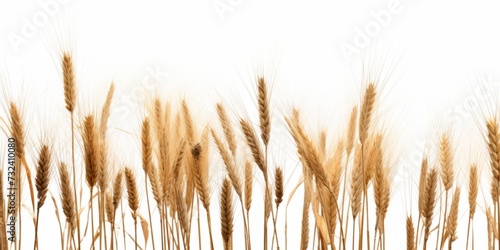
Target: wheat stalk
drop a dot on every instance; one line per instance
(69, 85)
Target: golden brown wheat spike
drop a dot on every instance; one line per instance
(494, 151)
(421, 185)
(90, 149)
(452, 222)
(188, 122)
(264, 117)
(106, 110)
(491, 228)
(430, 201)
(182, 211)
(248, 185)
(16, 124)
(351, 130)
(69, 81)
(410, 234)
(156, 187)
(229, 163)
(366, 112)
(161, 125)
(67, 199)
(43, 175)
(307, 150)
(381, 187)
(169, 187)
(109, 207)
(226, 213)
(253, 144)
(371, 159)
(117, 189)
(446, 161)
(103, 173)
(304, 235)
(356, 187)
(278, 184)
(200, 155)
(147, 147)
(132, 193)
(473, 189)
(334, 166)
(227, 128)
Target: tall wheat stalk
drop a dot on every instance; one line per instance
(70, 100)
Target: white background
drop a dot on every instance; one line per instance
(443, 56)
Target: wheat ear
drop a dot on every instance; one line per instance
(429, 203)
(452, 222)
(67, 198)
(473, 189)
(42, 183)
(410, 234)
(227, 128)
(226, 213)
(264, 116)
(132, 197)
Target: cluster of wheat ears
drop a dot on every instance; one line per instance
(337, 183)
